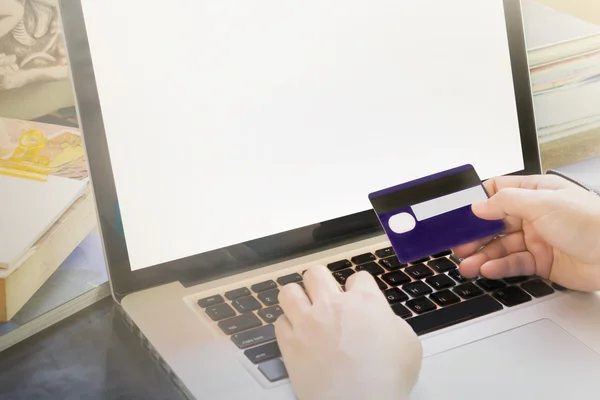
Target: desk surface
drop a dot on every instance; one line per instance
(570, 150)
(91, 355)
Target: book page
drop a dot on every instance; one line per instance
(545, 26)
(28, 208)
(586, 10)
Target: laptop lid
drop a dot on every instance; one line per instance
(224, 136)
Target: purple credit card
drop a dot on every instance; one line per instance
(433, 214)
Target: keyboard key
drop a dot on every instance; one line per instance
(467, 291)
(454, 274)
(270, 314)
(455, 259)
(254, 336)
(342, 275)
(421, 305)
(401, 311)
(515, 279)
(264, 352)
(363, 258)
(246, 304)
(234, 294)
(291, 278)
(441, 265)
(489, 284)
(262, 286)
(273, 370)
(418, 271)
(395, 295)
(395, 278)
(240, 323)
(270, 297)
(417, 289)
(444, 298)
(442, 254)
(371, 268)
(210, 301)
(336, 266)
(537, 288)
(388, 251)
(421, 260)
(512, 296)
(381, 284)
(391, 263)
(452, 315)
(219, 312)
(441, 281)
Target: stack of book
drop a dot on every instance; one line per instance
(564, 59)
(80, 281)
(46, 208)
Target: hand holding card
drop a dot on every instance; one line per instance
(433, 214)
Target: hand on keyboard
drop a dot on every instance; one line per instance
(553, 231)
(348, 345)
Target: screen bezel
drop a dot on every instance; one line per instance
(257, 253)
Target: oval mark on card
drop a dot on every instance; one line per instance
(402, 223)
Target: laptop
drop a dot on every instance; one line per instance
(233, 144)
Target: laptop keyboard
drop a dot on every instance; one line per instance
(430, 294)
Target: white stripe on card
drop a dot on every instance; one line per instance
(450, 202)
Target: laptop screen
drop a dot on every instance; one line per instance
(228, 121)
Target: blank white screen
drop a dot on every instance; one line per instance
(231, 120)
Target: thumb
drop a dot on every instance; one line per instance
(526, 204)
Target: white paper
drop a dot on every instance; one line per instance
(544, 26)
(28, 208)
(565, 106)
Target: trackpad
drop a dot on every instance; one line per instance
(535, 361)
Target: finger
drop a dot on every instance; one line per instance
(361, 281)
(520, 203)
(512, 224)
(533, 182)
(494, 185)
(320, 283)
(284, 334)
(465, 250)
(515, 264)
(283, 329)
(294, 302)
(502, 247)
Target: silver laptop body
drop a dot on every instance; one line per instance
(206, 316)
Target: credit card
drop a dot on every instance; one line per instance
(432, 214)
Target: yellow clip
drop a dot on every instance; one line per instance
(26, 161)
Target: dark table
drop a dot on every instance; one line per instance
(90, 355)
